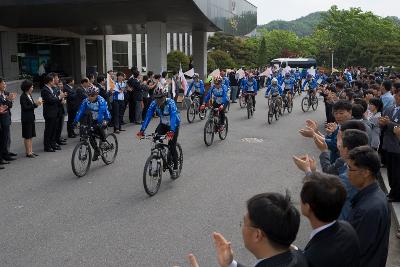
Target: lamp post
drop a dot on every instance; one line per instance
(332, 60)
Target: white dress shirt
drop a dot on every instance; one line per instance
(319, 229)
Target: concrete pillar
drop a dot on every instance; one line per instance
(139, 63)
(200, 52)
(175, 41)
(156, 46)
(168, 43)
(130, 63)
(82, 52)
(180, 43)
(9, 55)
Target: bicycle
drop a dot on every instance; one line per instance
(274, 108)
(249, 104)
(82, 154)
(159, 161)
(308, 101)
(194, 109)
(287, 102)
(212, 127)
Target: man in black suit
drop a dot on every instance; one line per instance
(136, 98)
(6, 100)
(269, 227)
(57, 89)
(332, 242)
(50, 113)
(72, 105)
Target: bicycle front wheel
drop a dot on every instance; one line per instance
(305, 104)
(314, 103)
(81, 159)
(152, 175)
(109, 149)
(209, 133)
(191, 113)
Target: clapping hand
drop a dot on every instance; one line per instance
(223, 249)
(320, 143)
(303, 163)
(192, 261)
(396, 131)
(312, 124)
(307, 132)
(3, 109)
(383, 121)
(331, 127)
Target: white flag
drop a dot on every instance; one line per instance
(266, 73)
(241, 73)
(190, 72)
(311, 71)
(215, 73)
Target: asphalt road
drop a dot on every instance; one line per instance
(51, 218)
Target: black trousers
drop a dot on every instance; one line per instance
(328, 113)
(115, 115)
(50, 131)
(221, 113)
(131, 110)
(71, 117)
(393, 172)
(60, 126)
(253, 97)
(163, 129)
(146, 104)
(122, 107)
(4, 139)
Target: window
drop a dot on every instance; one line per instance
(144, 62)
(134, 51)
(120, 55)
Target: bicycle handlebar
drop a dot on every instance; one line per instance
(153, 136)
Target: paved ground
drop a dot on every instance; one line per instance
(51, 218)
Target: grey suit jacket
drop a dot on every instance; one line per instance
(390, 141)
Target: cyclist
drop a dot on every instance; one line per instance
(198, 86)
(249, 86)
(274, 88)
(169, 122)
(288, 85)
(97, 107)
(311, 82)
(220, 99)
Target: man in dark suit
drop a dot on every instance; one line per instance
(6, 100)
(389, 120)
(50, 113)
(370, 213)
(136, 98)
(269, 227)
(332, 243)
(57, 89)
(72, 105)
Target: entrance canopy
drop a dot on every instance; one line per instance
(104, 17)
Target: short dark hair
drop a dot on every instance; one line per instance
(342, 105)
(157, 76)
(357, 111)
(325, 194)
(354, 138)
(101, 78)
(353, 124)
(135, 73)
(361, 102)
(276, 216)
(150, 73)
(387, 84)
(365, 157)
(339, 85)
(48, 78)
(377, 102)
(26, 85)
(145, 78)
(120, 73)
(91, 76)
(84, 80)
(164, 74)
(68, 80)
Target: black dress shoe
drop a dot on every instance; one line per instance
(61, 143)
(49, 150)
(72, 136)
(57, 148)
(8, 158)
(11, 154)
(122, 130)
(30, 156)
(3, 162)
(36, 155)
(2, 168)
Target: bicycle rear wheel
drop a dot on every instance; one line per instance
(270, 113)
(202, 114)
(110, 149)
(224, 133)
(81, 159)
(152, 175)
(314, 103)
(209, 133)
(290, 106)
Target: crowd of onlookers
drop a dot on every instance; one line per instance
(343, 201)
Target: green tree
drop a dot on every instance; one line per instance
(262, 53)
(222, 59)
(175, 59)
(210, 64)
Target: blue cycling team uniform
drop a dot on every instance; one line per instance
(98, 110)
(169, 115)
(274, 89)
(196, 88)
(312, 84)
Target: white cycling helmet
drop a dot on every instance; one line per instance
(274, 81)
